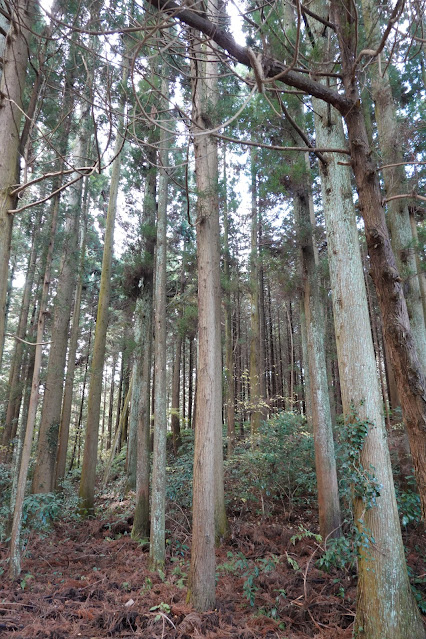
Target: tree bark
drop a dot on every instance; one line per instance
(175, 417)
(360, 388)
(395, 181)
(209, 519)
(16, 369)
(69, 380)
(88, 473)
(157, 552)
(325, 462)
(15, 555)
(255, 338)
(12, 85)
(389, 287)
(229, 353)
(143, 350)
(47, 447)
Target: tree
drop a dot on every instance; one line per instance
(157, 551)
(12, 85)
(88, 473)
(208, 518)
(44, 474)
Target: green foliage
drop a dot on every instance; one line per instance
(355, 480)
(355, 483)
(41, 510)
(4, 499)
(259, 474)
(162, 608)
(408, 503)
(179, 476)
(305, 534)
(249, 569)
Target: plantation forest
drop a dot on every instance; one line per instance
(212, 319)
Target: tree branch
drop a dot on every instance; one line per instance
(272, 66)
(308, 149)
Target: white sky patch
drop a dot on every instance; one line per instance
(234, 10)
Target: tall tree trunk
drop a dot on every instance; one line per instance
(111, 403)
(143, 350)
(229, 353)
(398, 217)
(325, 462)
(190, 379)
(78, 426)
(255, 338)
(12, 85)
(69, 380)
(88, 473)
(15, 554)
(209, 519)
(15, 387)
(408, 369)
(157, 552)
(175, 418)
(47, 447)
(360, 389)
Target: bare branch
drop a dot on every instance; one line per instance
(402, 196)
(24, 341)
(59, 190)
(394, 17)
(84, 170)
(308, 149)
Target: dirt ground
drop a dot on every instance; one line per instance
(90, 579)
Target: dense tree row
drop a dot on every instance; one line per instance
(197, 234)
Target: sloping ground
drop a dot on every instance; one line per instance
(90, 579)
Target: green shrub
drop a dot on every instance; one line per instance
(180, 473)
(281, 466)
(4, 499)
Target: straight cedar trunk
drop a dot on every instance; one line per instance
(126, 372)
(229, 354)
(272, 349)
(12, 83)
(313, 307)
(419, 266)
(305, 362)
(175, 418)
(255, 337)
(178, 364)
(47, 447)
(190, 379)
(143, 351)
(209, 518)
(88, 472)
(395, 181)
(385, 606)
(410, 379)
(64, 426)
(157, 550)
(16, 369)
(111, 402)
(15, 552)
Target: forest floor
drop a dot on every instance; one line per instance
(90, 579)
